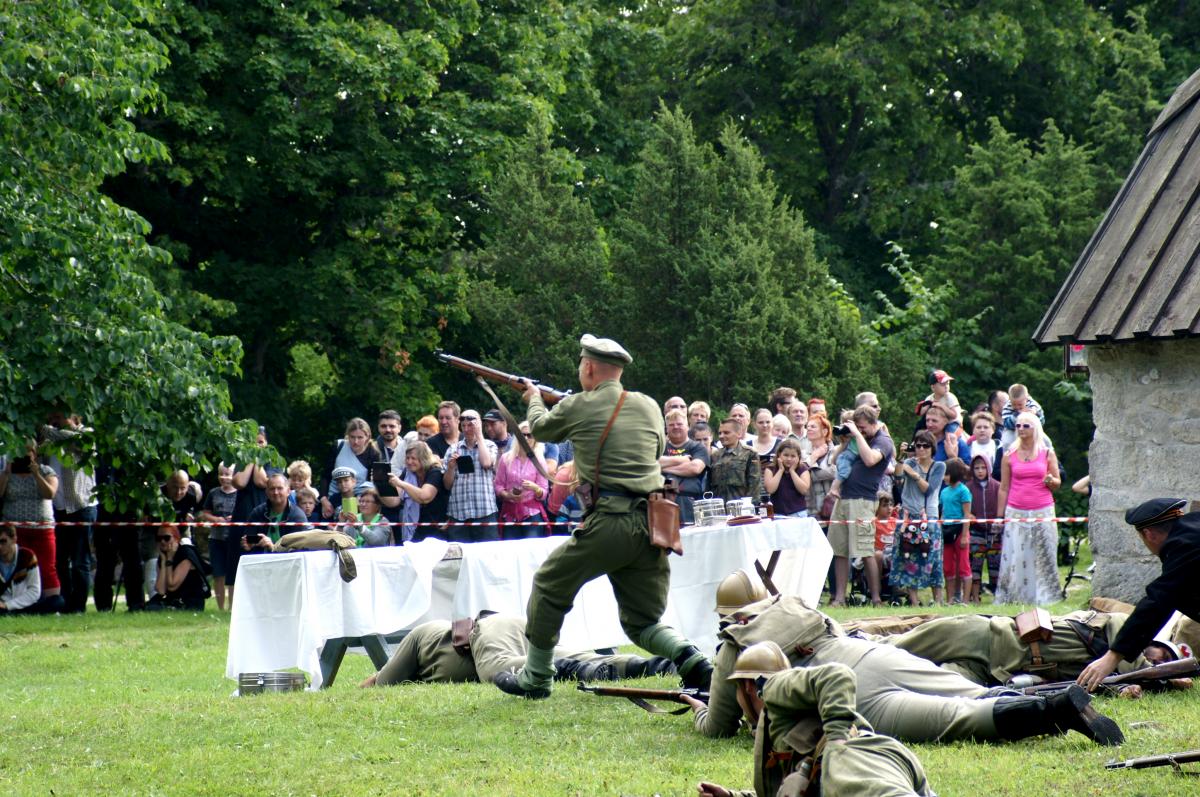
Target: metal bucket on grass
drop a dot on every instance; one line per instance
(256, 683)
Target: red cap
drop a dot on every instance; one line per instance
(939, 378)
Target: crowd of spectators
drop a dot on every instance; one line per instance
(899, 519)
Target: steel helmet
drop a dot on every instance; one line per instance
(736, 590)
(760, 660)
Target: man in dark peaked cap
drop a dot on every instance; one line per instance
(1174, 537)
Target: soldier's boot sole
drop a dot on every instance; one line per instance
(1073, 710)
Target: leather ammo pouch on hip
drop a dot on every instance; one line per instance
(662, 518)
(460, 635)
(1033, 628)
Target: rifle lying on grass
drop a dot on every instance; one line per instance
(639, 696)
(1168, 759)
(1157, 675)
(480, 372)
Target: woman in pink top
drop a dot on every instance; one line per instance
(1029, 559)
(521, 489)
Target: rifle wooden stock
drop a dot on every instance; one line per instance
(1167, 759)
(549, 395)
(1184, 668)
(639, 696)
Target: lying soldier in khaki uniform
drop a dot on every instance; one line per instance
(497, 644)
(899, 694)
(989, 651)
(807, 729)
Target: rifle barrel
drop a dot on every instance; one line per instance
(1167, 759)
(549, 394)
(674, 695)
(1184, 668)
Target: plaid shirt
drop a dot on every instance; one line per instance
(76, 488)
(473, 494)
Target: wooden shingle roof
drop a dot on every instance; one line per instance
(1138, 278)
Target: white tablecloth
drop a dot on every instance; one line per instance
(286, 605)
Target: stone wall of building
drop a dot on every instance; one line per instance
(1146, 408)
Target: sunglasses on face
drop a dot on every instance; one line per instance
(1024, 425)
(165, 538)
(922, 445)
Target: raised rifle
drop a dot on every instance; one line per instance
(1168, 759)
(1158, 674)
(639, 696)
(484, 372)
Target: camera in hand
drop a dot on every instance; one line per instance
(843, 430)
(253, 538)
(465, 463)
(21, 465)
(381, 473)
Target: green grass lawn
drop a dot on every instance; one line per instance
(138, 704)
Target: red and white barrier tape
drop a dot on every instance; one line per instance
(140, 523)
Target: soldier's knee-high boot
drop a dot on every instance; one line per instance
(534, 679)
(1022, 717)
(692, 665)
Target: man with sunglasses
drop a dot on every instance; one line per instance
(1174, 537)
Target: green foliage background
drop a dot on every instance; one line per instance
(278, 210)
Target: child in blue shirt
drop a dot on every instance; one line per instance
(956, 536)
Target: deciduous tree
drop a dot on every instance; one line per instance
(82, 327)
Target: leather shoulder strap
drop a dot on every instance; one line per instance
(604, 434)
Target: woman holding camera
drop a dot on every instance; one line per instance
(917, 550)
(522, 490)
(27, 486)
(420, 487)
(180, 583)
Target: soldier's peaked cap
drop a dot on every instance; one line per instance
(1155, 512)
(604, 350)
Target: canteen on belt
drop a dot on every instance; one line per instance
(256, 683)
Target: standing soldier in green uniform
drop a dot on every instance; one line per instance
(808, 730)
(733, 471)
(618, 438)
(989, 651)
(428, 654)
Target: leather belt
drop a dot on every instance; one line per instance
(619, 494)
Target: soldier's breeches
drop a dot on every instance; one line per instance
(963, 642)
(914, 700)
(498, 645)
(615, 544)
(928, 718)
